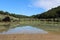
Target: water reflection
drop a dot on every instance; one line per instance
(24, 30)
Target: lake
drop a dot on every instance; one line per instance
(25, 30)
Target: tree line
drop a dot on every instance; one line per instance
(53, 13)
(13, 14)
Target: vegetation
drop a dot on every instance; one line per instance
(6, 19)
(12, 14)
(51, 14)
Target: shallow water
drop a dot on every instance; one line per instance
(25, 30)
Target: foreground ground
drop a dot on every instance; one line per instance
(49, 36)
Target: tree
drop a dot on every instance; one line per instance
(58, 13)
(6, 19)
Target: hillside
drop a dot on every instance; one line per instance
(53, 13)
(11, 15)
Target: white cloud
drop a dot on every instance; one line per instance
(45, 4)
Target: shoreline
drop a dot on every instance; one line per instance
(49, 36)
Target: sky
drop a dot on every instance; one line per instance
(28, 7)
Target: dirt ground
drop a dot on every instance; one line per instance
(48, 36)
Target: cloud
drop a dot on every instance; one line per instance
(45, 4)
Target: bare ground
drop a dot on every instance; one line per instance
(49, 36)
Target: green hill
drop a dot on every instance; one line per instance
(11, 15)
(53, 13)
